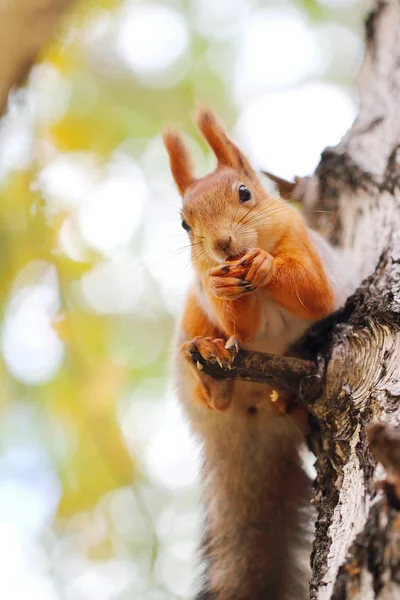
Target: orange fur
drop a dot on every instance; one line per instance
(226, 152)
(299, 282)
(240, 318)
(195, 322)
(180, 161)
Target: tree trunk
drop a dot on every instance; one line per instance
(357, 546)
(356, 540)
(25, 26)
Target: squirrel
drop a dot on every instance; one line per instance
(261, 278)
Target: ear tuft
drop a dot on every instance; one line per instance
(226, 152)
(215, 135)
(180, 160)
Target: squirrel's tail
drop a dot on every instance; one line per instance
(258, 531)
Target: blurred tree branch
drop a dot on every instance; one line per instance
(25, 27)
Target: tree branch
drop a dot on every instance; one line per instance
(359, 181)
(25, 27)
(296, 376)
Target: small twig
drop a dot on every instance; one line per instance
(25, 28)
(302, 378)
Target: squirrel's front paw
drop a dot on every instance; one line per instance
(237, 278)
(259, 265)
(228, 281)
(214, 351)
(230, 288)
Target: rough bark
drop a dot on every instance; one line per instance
(25, 26)
(356, 551)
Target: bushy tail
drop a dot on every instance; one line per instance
(257, 496)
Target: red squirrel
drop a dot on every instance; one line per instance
(261, 278)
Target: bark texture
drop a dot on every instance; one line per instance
(357, 546)
(25, 26)
(359, 179)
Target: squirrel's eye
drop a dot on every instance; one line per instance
(244, 193)
(185, 226)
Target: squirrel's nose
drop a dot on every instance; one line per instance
(223, 243)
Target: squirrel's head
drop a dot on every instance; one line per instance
(227, 211)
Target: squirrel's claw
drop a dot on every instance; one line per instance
(238, 278)
(230, 288)
(211, 350)
(260, 268)
(215, 395)
(232, 345)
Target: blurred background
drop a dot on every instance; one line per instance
(98, 495)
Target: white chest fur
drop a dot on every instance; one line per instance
(279, 328)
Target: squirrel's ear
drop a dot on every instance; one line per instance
(180, 160)
(227, 153)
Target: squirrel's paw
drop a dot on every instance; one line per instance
(228, 281)
(233, 345)
(231, 268)
(230, 288)
(239, 277)
(259, 265)
(211, 350)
